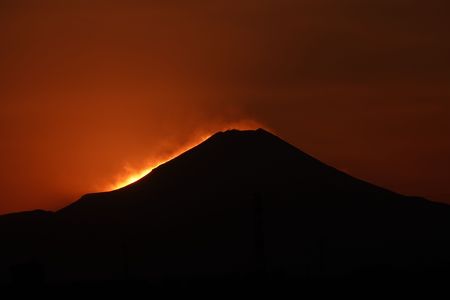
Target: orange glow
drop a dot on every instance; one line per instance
(94, 94)
(131, 175)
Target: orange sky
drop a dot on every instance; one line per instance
(91, 89)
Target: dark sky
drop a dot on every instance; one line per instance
(90, 90)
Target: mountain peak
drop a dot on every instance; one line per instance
(252, 131)
(241, 161)
(256, 138)
(247, 132)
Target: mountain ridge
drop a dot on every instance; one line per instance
(231, 145)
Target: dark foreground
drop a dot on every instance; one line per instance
(242, 211)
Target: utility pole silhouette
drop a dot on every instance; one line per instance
(124, 274)
(260, 255)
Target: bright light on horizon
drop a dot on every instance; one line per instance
(131, 175)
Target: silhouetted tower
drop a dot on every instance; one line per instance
(260, 255)
(124, 274)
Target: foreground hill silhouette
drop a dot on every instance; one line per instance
(243, 206)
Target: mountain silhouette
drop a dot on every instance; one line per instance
(241, 206)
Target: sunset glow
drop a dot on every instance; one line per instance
(96, 94)
(131, 175)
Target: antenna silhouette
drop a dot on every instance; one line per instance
(260, 255)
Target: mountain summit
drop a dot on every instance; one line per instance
(239, 204)
(245, 162)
